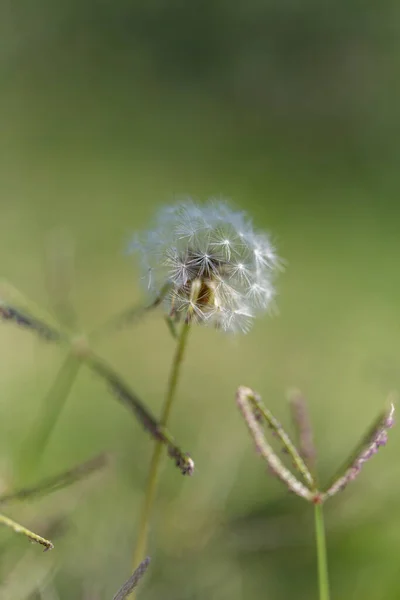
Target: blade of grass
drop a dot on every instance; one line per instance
(50, 412)
(59, 276)
(57, 482)
(128, 316)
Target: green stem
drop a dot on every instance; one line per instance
(323, 580)
(128, 316)
(57, 482)
(50, 412)
(126, 396)
(141, 546)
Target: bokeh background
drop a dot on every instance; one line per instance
(109, 110)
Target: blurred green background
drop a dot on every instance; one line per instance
(109, 110)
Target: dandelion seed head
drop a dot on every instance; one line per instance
(232, 265)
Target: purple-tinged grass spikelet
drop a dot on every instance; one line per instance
(133, 581)
(302, 423)
(245, 401)
(261, 414)
(376, 438)
(255, 413)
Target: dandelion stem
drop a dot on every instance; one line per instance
(132, 402)
(323, 581)
(141, 546)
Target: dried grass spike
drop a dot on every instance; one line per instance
(263, 413)
(24, 319)
(302, 423)
(376, 437)
(133, 581)
(244, 398)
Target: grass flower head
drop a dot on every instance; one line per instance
(218, 270)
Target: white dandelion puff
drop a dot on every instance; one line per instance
(216, 252)
(260, 294)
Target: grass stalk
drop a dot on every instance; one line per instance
(323, 580)
(50, 412)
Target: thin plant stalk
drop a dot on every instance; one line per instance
(49, 415)
(60, 270)
(130, 315)
(141, 545)
(130, 400)
(323, 579)
(57, 482)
